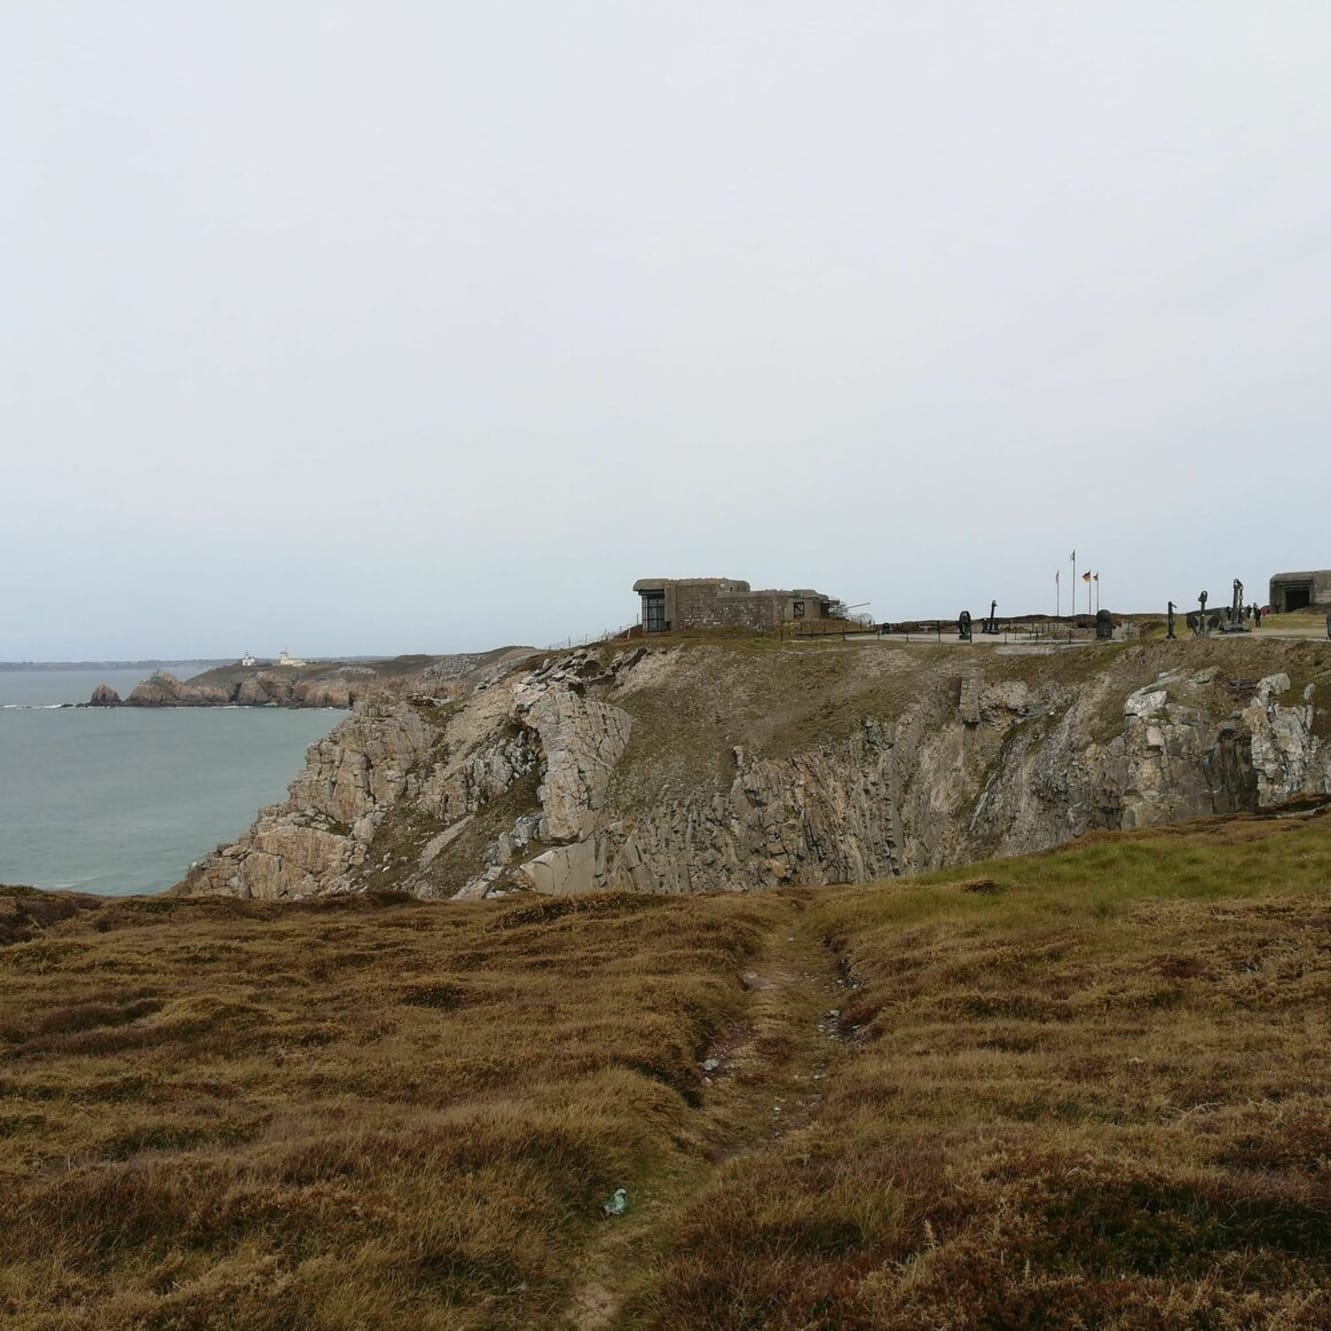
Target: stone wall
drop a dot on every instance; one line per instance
(700, 605)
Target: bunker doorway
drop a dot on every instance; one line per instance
(653, 612)
(1298, 598)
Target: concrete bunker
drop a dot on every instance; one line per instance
(668, 604)
(1300, 591)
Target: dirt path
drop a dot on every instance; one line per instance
(763, 1078)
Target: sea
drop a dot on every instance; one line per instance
(121, 800)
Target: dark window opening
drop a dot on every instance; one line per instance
(653, 612)
(799, 609)
(1298, 598)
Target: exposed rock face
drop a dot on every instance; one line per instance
(104, 696)
(320, 837)
(709, 768)
(326, 684)
(163, 689)
(271, 689)
(265, 689)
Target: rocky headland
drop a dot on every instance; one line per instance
(324, 684)
(741, 765)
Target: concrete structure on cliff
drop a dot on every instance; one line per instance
(714, 603)
(1301, 591)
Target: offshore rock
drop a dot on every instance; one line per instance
(104, 696)
(717, 767)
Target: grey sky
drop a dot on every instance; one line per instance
(428, 326)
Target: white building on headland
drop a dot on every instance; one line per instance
(248, 659)
(285, 660)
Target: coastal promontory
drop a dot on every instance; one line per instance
(338, 684)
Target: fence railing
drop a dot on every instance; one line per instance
(606, 635)
(1036, 629)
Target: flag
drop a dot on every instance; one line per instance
(1056, 575)
(1086, 577)
(1072, 557)
(1097, 577)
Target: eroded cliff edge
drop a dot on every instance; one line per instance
(740, 766)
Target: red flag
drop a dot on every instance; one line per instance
(1086, 577)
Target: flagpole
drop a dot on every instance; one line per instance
(1073, 611)
(1058, 598)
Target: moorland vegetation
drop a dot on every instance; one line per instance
(1087, 1088)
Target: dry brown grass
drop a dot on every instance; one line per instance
(1082, 1089)
(360, 1113)
(1092, 1094)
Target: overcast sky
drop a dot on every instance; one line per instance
(359, 327)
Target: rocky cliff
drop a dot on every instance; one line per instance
(163, 689)
(275, 688)
(735, 765)
(323, 684)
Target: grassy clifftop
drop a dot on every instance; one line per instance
(1084, 1088)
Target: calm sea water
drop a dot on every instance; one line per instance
(121, 800)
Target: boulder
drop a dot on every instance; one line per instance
(104, 696)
